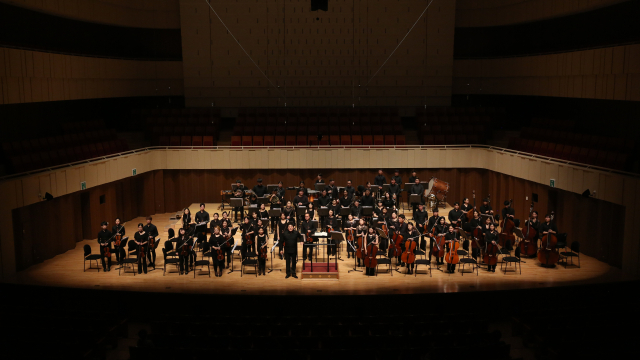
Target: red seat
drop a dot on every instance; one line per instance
(196, 141)
(461, 139)
(356, 140)
(428, 140)
(575, 154)
(334, 140)
(258, 140)
(290, 140)
(367, 139)
(185, 140)
(279, 140)
(378, 139)
(449, 139)
(438, 139)
(389, 139)
(566, 152)
(247, 140)
(345, 140)
(301, 140)
(236, 140)
(268, 140)
(207, 140)
(163, 141)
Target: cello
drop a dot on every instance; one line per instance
(506, 234)
(490, 254)
(452, 256)
(529, 245)
(440, 241)
(397, 240)
(548, 254)
(409, 256)
(370, 259)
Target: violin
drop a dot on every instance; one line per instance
(308, 238)
(490, 254)
(247, 240)
(152, 242)
(370, 259)
(529, 245)
(263, 251)
(118, 239)
(452, 257)
(107, 251)
(186, 248)
(141, 252)
(548, 254)
(219, 252)
(506, 235)
(408, 256)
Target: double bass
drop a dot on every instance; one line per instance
(548, 254)
(506, 234)
(490, 254)
(529, 245)
(370, 259)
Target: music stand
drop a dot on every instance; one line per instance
(385, 188)
(407, 189)
(236, 203)
(271, 187)
(253, 208)
(367, 212)
(345, 211)
(323, 212)
(263, 200)
(320, 186)
(274, 213)
(338, 238)
(300, 211)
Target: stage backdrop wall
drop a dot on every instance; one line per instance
(167, 180)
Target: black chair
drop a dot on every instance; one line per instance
(575, 251)
(88, 256)
(468, 260)
(562, 241)
(465, 248)
(512, 259)
(422, 262)
(133, 261)
(249, 262)
(384, 261)
(168, 260)
(168, 247)
(205, 248)
(132, 248)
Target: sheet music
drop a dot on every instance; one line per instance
(320, 234)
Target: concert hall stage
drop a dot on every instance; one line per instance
(65, 270)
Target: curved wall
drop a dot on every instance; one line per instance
(160, 14)
(472, 13)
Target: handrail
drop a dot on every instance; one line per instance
(322, 147)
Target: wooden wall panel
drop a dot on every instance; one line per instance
(609, 73)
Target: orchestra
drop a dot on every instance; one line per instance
(400, 238)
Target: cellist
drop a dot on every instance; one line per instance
(431, 226)
(535, 223)
(402, 229)
(476, 223)
(215, 241)
(491, 236)
(440, 228)
(450, 238)
(248, 234)
(361, 232)
(350, 225)
(332, 225)
(509, 212)
(421, 219)
(409, 234)
(371, 238)
(118, 229)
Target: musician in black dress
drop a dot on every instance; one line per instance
(350, 226)
(290, 213)
(184, 248)
(548, 227)
(371, 239)
(307, 229)
(226, 233)
(263, 214)
(248, 248)
(216, 240)
(476, 223)
(254, 219)
(141, 239)
(290, 240)
(491, 237)
(402, 229)
(535, 223)
(465, 205)
(261, 243)
(450, 238)
(186, 219)
(216, 222)
(361, 233)
(508, 211)
(151, 230)
(118, 229)
(104, 240)
(410, 234)
(331, 225)
(283, 224)
(440, 228)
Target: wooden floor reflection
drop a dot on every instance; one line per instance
(66, 270)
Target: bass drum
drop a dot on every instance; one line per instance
(438, 188)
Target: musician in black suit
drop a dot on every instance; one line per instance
(202, 216)
(151, 230)
(332, 190)
(456, 215)
(260, 189)
(104, 240)
(216, 240)
(416, 189)
(307, 230)
(380, 179)
(290, 250)
(184, 248)
(509, 212)
(118, 229)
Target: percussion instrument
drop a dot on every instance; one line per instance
(438, 188)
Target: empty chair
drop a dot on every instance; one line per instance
(174, 141)
(334, 140)
(367, 140)
(302, 140)
(345, 140)
(258, 140)
(247, 140)
(356, 140)
(185, 140)
(290, 140)
(196, 141)
(378, 139)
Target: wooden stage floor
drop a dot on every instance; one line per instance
(65, 270)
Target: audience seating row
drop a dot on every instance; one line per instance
(315, 130)
(452, 139)
(598, 156)
(318, 111)
(186, 140)
(327, 140)
(176, 112)
(82, 126)
(25, 147)
(449, 110)
(573, 139)
(65, 155)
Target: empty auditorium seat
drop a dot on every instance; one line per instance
(367, 139)
(389, 139)
(290, 140)
(428, 140)
(302, 140)
(185, 140)
(247, 140)
(208, 141)
(280, 140)
(356, 140)
(258, 140)
(378, 139)
(268, 140)
(345, 140)
(334, 140)
(196, 141)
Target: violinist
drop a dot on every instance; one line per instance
(485, 208)
(440, 228)
(184, 241)
(476, 223)
(290, 212)
(216, 240)
(456, 216)
(491, 236)
(151, 230)
(548, 227)
(216, 222)
(306, 227)
(371, 238)
(283, 224)
(508, 211)
(254, 219)
(350, 225)
(261, 243)
(403, 230)
(411, 234)
(361, 233)
(377, 211)
(141, 238)
(450, 238)
(118, 229)
(186, 218)
(248, 235)
(332, 222)
(335, 207)
(465, 205)
(226, 233)
(104, 240)
(290, 243)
